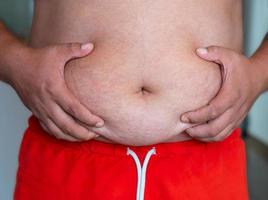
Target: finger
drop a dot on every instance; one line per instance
(69, 126)
(69, 103)
(74, 50)
(212, 128)
(36, 113)
(225, 133)
(221, 103)
(41, 118)
(52, 129)
(233, 118)
(55, 131)
(221, 136)
(223, 99)
(45, 127)
(216, 54)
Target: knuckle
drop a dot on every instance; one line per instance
(55, 133)
(54, 91)
(53, 114)
(73, 108)
(42, 88)
(66, 128)
(44, 127)
(51, 129)
(53, 88)
(49, 87)
(60, 122)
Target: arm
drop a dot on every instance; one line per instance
(244, 79)
(37, 75)
(9, 46)
(260, 59)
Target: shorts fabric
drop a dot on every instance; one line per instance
(52, 169)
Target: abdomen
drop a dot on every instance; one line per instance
(140, 99)
(144, 73)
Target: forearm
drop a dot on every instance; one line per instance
(12, 53)
(260, 61)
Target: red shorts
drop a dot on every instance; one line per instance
(52, 169)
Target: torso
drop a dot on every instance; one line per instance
(144, 72)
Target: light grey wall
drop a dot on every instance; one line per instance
(256, 27)
(13, 115)
(17, 14)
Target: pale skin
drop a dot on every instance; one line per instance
(244, 80)
(41, 86)
(64, 116)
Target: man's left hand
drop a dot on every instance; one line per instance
(239, 90)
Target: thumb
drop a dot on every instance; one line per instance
(75, 50)
(215, 54)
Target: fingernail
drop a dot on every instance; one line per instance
(86, 46)
(97, 136)
(99, 124)
(202, 50)
(185, 119)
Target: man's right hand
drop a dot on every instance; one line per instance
(40, 84)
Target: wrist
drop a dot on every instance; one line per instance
(13, 56)
(259, 74)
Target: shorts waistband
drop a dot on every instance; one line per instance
(110, 149)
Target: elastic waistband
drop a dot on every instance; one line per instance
(163, 149)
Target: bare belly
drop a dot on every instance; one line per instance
(141, 95)
(143, 73)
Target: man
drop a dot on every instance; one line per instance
(118, 109)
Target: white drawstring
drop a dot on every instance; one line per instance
(141, 170)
